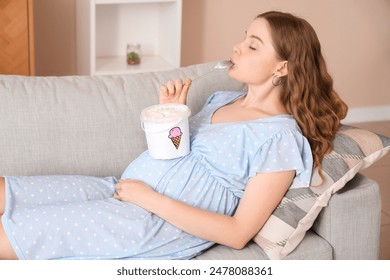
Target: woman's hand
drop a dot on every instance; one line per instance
(133, 191)
(175, 92)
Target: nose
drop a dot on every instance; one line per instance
(236, 48)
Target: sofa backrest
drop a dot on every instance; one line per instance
(86, 125)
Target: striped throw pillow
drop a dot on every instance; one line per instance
(354, 150)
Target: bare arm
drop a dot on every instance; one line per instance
(262, 195)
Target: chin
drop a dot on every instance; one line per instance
(233, 74)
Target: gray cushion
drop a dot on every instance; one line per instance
(86, 125)
(304, 251)
(353, 218)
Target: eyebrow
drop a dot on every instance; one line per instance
(254, 37)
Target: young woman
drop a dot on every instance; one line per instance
(247, 150)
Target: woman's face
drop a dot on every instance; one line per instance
(254, 59)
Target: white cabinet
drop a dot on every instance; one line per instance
(105, 27)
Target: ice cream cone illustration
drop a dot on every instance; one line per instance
(175, 136)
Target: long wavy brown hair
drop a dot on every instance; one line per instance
(307, 90)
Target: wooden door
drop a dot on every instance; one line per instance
(16, 37)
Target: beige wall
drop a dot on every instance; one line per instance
(55, 37)
(355, 37)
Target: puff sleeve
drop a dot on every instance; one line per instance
(283, 151)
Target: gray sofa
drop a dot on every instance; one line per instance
(90, 125)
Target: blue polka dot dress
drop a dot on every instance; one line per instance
(76, 217)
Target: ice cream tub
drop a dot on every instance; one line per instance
(166, 130)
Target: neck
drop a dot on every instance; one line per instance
(266, 99)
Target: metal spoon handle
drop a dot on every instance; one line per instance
(224, 64)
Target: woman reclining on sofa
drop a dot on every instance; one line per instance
(247, 150)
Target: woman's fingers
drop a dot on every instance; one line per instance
(164, 90)
(121, 183)
(178, 86)
(175, 91)
(171, 87)
(116, 196)
(184, 90)
(175, 87)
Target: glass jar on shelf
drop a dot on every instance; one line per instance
(133, 54)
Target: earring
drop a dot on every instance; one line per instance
(278, 82)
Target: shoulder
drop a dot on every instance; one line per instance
(283, 131)
(271, 127)
(284, 148)
(223, 96)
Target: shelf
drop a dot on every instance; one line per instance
(112, 65)
(105, 27)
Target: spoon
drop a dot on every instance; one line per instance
(223, 64)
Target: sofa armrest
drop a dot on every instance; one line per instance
(351, 221)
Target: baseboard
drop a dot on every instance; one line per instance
(368, 114)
